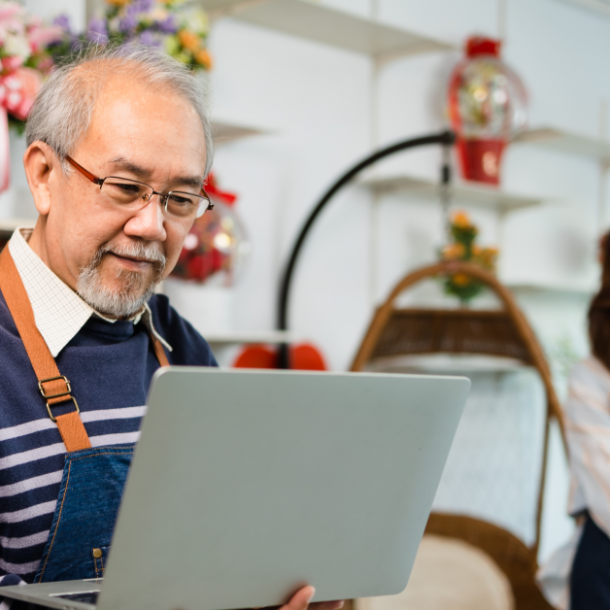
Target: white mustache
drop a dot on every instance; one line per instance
(138, 250)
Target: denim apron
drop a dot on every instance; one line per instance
(93, 478)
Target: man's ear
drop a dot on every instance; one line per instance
(41, 163)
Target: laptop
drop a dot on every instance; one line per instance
(246, 485)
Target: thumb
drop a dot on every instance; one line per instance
(300, 600)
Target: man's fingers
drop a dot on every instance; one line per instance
(300, 600)
(334, 605)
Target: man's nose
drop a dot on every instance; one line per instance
(148, 222)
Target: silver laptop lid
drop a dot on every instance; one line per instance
(246, 485)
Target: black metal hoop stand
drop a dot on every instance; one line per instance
(445, 139)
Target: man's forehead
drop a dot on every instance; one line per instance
(132, 119)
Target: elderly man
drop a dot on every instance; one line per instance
(118, 148)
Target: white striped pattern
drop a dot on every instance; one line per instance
(19, 568)
(25, 541)
(124, 413)
(57, 448)
(30, 456)
(28, 428)
(45, 423)
(30, 512)
(6, 491)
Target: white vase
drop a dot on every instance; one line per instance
(208, 308)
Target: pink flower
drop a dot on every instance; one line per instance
(18, 91)
(9, 9)
(10, 64)
(40, 36)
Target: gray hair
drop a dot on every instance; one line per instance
(62, 111)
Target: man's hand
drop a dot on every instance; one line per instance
(300, 601)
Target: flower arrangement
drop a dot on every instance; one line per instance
(25, 60)
(177, 26)
(463, 248)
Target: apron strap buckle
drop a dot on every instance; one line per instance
(49, 397)
(77, 410)
(61, 394)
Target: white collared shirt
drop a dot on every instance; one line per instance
(59, 312)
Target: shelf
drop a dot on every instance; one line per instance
(225, 131)
(320, 23)
(462, 193)
(601, 7)
(445, 363)
(237, 337)
(566, 141)
(556, 289)
(10, 224)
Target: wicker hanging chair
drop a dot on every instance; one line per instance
(504, 332)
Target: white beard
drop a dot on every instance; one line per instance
(135, 290)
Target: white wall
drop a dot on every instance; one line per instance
(325, 110)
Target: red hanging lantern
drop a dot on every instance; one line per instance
(487, 107)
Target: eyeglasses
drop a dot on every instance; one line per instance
(131, 193)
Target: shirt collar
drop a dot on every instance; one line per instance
(59, 312)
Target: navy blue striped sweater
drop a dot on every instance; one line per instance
(109, 367)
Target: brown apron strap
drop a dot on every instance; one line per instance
(54, 386)
(159, 351)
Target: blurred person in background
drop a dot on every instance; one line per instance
(587, 426)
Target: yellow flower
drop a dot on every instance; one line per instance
(461, 279)
(204, 58)
(172, 46)
(184, 56)
(189, 40)
(118, 2)
(461, 219)
(453, 251)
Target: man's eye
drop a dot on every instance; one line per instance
(180, 200)
(129, 188)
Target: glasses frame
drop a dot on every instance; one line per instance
(163, 197)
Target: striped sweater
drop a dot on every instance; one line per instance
(109, 367)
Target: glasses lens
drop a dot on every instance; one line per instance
(124, 191)
(184, 204)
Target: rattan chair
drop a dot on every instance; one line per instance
(504, 332)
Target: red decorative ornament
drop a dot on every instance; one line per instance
(216, 244)
(487, 107)
(303, 357)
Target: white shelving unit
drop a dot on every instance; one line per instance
(250, 337)
(558, 289)
(601, 7)
(566, 141)
(226, 131)
(321, 23)
(462, 193)
(10, 224)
